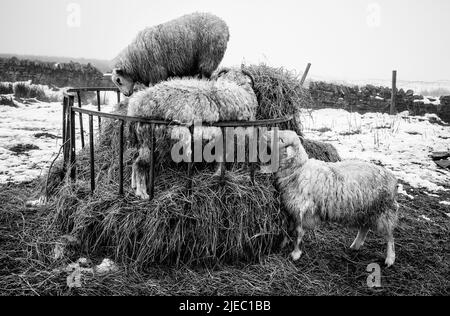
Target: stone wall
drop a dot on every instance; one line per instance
(370, 98)
(52, 74)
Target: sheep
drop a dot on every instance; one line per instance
(355, 193)
(191, 45)
(186, 101)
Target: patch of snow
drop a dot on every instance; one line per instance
(107, 266)
(402, 191)
(19, 125)
(446, 203)
(400, 143)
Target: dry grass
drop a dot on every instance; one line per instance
(6, 88)
(279, 94)
(7, 101)
(327, 268)
(26, 90)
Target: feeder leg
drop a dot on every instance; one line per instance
(91, 151)
(99, 109)
(191, 163)
(122, 123)
(81, 120)
(151, 186)
(72, 140)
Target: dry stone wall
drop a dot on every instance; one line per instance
(371, 98)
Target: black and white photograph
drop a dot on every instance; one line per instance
(224, 155)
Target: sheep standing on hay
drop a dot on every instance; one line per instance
(186, 101)
(355, 193)
(191, 45)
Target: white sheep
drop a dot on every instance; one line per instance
(187, 101)
(191, 45)
(354, 193)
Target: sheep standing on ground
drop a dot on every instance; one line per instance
(191, 45)
(186, 101)
(355, 193)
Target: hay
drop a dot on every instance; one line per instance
(230, 221)
(279, 94)
(320, 151)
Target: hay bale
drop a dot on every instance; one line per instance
(220, 222)
(279, 93)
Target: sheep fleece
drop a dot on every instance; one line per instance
(351, 192)
(189, 100)
(190, 45)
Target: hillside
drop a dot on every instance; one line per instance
(102, 65)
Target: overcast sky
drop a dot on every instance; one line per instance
(347, 39)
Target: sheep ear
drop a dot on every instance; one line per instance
(118, 71)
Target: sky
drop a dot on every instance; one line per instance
(345, 39)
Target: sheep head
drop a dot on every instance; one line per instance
(122, 81)
(289, 145)
(240, 76)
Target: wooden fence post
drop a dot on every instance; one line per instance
(393, 109)
(305, 74)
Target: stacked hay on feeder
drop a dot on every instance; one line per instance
(226, 222)
(220, 221)
(279, 93)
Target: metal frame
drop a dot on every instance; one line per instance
(69, 139)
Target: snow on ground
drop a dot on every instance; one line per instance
(19, 126)
(401, 143)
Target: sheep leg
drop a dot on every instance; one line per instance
(220, 167)
(360, 238)
(390, 257)
(141, 173)
(297, 253)
(290, 231)
(386, 225)
(133, 177)
(285, 242)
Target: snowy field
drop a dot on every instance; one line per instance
(37, 125)
(401, 143)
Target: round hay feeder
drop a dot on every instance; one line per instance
(194, 216)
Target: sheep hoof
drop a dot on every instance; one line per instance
(295, 255)
(143, 195)
(356, 246)
(389, 261)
